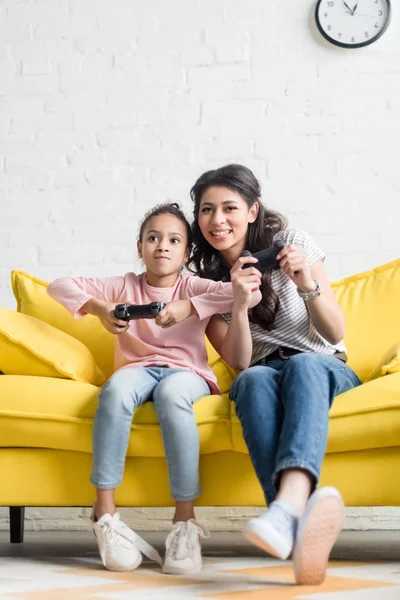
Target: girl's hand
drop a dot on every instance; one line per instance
(104, 311)
(244, 281)
(175, 312)
(294, 263)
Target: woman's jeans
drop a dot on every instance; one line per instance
(283, 407)
(173, 392)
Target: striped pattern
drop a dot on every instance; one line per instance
(293, 327)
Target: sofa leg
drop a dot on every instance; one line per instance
(17, 521)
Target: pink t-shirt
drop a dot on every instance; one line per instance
(145, 343)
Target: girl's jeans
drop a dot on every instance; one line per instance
(173, 392)
(284, 411)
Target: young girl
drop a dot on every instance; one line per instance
(164, 363)
(298, 366)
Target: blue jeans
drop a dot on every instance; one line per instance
(173, 392)
(283, 408)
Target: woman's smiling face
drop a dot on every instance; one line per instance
(224, 217)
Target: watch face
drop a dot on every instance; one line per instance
(352, 23)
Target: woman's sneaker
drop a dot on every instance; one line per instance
(319, 528)
(274, 531)
(121, 548)
(183, 549)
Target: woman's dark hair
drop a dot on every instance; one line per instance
(169, 208)
(208, 262)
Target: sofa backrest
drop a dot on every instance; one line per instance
(370, 301)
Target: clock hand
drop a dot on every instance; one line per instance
(354, 9)
(348, 7)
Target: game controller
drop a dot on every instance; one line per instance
(127, 312)
(266, 258)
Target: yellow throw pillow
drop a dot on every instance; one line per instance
(33, 300)
(389, 363)
(30, 347)
(370, 302)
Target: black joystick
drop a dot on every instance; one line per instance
(266, 258)
(127, 312)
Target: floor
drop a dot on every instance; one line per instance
(65, 566)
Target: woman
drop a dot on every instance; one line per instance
(298, 365)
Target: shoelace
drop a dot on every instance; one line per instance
(179, 538)
(115, 527)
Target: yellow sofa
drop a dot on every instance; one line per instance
(53, 365)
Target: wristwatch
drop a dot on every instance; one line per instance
(310, 295)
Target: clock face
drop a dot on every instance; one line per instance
(352, 23)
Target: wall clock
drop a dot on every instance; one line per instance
(352, 23)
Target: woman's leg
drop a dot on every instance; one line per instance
(255, 393)
(309, 384)
(173, 400)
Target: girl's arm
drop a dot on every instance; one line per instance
(97, 297)
(207, 298)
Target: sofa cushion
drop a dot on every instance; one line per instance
(43, 412)
(30, 347)
(364, 418)
(370, 302)
(33, 299)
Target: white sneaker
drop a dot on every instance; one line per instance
(274, 531)
(120, 548)
(183, 549)
(319, 528)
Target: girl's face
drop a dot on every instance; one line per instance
(223, 220)
(163, 249)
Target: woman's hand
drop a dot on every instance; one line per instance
(244, 282)
(104, 311)
(293, 261)
(175, 312)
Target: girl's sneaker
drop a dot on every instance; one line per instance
(183, 549)
(319, 528)
(121, 548)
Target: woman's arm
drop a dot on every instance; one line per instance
(233, 342)
(324, 310)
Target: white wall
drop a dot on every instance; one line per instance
(109, 108)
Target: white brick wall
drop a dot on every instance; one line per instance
(108, 108)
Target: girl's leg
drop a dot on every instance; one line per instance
(121, 394)
(173, 400)
(120, 548)
(184, 511)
